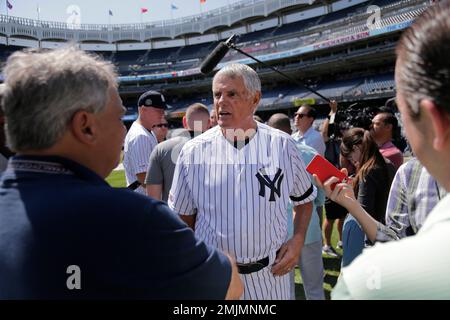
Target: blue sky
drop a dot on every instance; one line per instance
(96, 11)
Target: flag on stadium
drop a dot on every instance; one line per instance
(144, 10)
(173, 7)
(110, 13)
(9, 5)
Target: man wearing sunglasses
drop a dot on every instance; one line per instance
(160, 130)
(306, 134)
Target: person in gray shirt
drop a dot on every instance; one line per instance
(164, 156)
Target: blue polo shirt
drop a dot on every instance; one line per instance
(314, 231)
(55, 213)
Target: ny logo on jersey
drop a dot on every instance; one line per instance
(264, 181)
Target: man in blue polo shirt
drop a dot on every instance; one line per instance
(66, 234)
(310, 262)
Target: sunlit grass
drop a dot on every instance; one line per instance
(117, 179)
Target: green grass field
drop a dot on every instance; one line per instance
(332, 265)
(117, 179)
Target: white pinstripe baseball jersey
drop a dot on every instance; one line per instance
(139, 144)
(240, 197)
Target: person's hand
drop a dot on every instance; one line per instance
(287, 257)
(333, 106)
(342, 193)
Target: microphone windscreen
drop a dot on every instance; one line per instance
(214, 58)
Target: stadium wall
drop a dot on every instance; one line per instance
(176, 32)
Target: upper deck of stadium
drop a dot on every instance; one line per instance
(244, 17)
(299, 37)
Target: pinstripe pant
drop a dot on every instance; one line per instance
(263, 285)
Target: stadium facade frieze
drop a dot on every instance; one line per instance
(278, 55)
(143, 33)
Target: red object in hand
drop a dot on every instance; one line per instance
(324, 170)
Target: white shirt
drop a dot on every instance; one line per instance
(311, 138)
(239, 210)
(139, 144)
(415, 267)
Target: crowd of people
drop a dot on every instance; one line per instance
(227, 209)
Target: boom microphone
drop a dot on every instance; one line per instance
(221, 50)
(214, 57)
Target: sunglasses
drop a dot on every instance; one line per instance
(161, 125)
(300, 115)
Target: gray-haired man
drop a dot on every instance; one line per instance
(64, 232)
(140, 140)
(233, 183)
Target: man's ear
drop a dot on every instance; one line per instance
(83, 127)
(440, 123)
(256, 99)
(185, 122)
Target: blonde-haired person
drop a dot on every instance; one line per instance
(65, 233)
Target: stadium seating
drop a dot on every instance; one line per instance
(283, 38)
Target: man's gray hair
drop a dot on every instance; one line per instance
(249, 76)
(44, 89)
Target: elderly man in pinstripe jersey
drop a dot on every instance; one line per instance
(233, 183)
(140, 140)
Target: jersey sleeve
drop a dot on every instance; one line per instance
(180, 195)
(154, 171)
(139, 150)
(303, 190)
